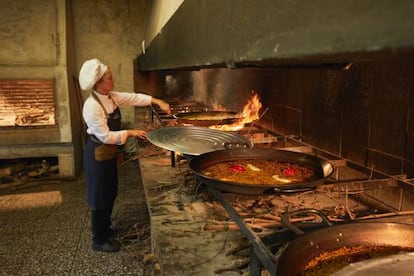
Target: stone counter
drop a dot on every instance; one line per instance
(178, 217)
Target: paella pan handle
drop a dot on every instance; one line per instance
(286, 219)
(236, 145)
(275, 190)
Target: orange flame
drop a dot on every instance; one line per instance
(218, 107)
(250, 113)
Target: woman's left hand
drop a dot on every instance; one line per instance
(163, 105)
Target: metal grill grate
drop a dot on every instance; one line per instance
(27, 102)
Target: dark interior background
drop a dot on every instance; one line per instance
(360, 111)
(336, 74)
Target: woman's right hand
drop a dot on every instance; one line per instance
(137, 133)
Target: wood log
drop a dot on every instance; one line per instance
(255, 223)
(5, 172)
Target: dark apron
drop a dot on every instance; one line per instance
(102, 176)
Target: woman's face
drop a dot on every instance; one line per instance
(106, 83)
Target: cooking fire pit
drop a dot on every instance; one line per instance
(352, 193)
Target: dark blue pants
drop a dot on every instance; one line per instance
(101, 225)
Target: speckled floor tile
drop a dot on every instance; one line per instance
(64, 219)
(45, 230)
(23, 222)
(41, 261)
(90, 262)
(13, 252)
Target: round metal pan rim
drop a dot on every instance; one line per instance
(194, 115)
(208, 118)
(308, 246)
(198, 163)
(192, 140)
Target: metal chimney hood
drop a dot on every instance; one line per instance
(238, 33)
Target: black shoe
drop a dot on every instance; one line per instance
(108, 246)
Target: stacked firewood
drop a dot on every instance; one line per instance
(35, 116)
(22, 171)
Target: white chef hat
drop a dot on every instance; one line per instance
(91, 71)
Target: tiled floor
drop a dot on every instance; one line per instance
(45, 228)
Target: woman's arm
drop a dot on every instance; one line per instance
(163, 105)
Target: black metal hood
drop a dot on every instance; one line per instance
(238, 33)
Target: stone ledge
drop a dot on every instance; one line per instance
(64, 152)
(177, 221)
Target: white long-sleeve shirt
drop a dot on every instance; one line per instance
(96, 120)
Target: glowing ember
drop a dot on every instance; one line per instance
(218, 107)
(250, 113)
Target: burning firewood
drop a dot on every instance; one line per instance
(35, 116)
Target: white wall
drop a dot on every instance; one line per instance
(161, 12)
(111, 31)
